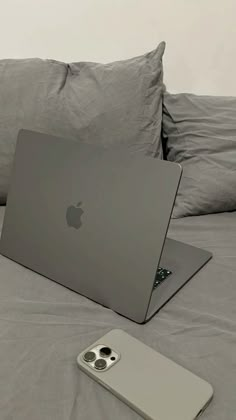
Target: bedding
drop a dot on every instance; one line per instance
(43, 327)
(200, 134)
(114, 103)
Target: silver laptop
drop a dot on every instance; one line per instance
(95, 221)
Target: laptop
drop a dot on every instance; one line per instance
(95, 220)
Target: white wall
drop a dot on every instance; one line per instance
(200, 34)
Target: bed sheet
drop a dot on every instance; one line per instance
(43, 327)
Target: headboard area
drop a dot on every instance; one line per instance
(200, 36)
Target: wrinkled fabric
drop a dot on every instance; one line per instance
(44, 326)
(115, 103)
(200, 134)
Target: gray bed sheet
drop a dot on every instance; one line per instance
(43, 327)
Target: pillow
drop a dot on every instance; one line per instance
(200, 133)
(115, 103)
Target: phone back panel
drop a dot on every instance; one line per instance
(154, 386)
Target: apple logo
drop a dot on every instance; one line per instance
(73, 215)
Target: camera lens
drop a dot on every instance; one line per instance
(105, 351)
(100, 364)
(89, 356)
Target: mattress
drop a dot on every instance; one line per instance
(43, 327)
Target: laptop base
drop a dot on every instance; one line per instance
(183, 261)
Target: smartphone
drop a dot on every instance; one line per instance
(154, 386)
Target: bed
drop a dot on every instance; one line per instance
(43, 327)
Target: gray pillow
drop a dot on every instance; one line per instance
(200, 133)
(115, 103)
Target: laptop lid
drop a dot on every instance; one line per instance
(91, 219)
